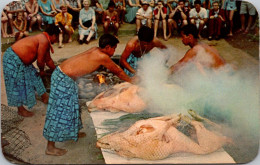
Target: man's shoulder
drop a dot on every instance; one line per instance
(202, 9)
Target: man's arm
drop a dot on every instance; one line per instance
(114, 68)
(187, 57)
(159, 44)
(49, 61)
(43, 49)
(126, 53)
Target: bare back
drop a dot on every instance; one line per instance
(32, 47)
(201, 54)
(88, 62)
(215, 60)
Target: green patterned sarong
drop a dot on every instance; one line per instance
(63, 117)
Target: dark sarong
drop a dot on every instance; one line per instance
(21, 81)
(62, 118)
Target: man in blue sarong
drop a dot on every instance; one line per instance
(63, 117)
(137, 47)
(21, 77)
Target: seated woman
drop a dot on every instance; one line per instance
(121, 10)
(74, 7)
(57, 4)
(110, 19)
(47, 11)
(87, 23)
(131, 8)
(20, 24)
(63, 20)
(4, 22)
(99, 10)
(32, 9)
(160, 15)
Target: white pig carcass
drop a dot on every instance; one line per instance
(157, 138)
(121, 97)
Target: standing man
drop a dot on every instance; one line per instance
(144, 16)
(137, 47)
(211, 58)
(63, 117)
(21, 77)
(198, 16)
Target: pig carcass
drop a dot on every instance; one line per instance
(121, 97)
(157, 138)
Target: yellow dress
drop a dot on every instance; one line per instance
(64, 20)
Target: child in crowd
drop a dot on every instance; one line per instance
(20, 24)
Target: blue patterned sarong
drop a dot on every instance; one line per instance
(132, 61)
(63, 117)
(21, 81)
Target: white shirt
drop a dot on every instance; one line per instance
(202, 13)
(146, 13)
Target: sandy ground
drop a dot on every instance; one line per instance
(84, 151)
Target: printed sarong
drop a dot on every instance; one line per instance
(21, 81)
(63, 117)
(132, 61)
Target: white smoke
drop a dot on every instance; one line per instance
(224, 95)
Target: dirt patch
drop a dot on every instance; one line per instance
(249, 43)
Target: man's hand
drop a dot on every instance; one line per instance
(42, 74)
(135, 79)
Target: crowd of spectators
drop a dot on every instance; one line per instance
(213, 18)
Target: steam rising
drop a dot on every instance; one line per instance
(226, 96)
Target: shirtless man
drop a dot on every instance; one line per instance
(110, 18)
(21, 77)
(189, 37)
(137, 47)
(63, 117)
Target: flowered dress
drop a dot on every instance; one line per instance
(86, 15)
(46, 7)
(130, 11)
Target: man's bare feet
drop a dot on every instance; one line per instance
(45, 98)
(81, 134)
(52, 150)
(23, 112)
(55, 151)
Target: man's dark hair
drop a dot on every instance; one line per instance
(53, 29)
(111, 4)
(181, 1)
(190, 29)
(107, 39)
(215, 2)
(197, 2)
(145, 34)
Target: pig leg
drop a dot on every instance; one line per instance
(208, 141)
